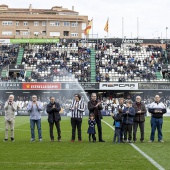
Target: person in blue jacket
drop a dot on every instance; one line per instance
(128, 115)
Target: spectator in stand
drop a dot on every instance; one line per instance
(107, 78)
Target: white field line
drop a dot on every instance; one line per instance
(141, 152)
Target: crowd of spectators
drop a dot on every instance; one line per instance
(8, 55)
(128, 63)
(52, 64)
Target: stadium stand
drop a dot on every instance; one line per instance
(104, 63)
(51, 63)
(129, 64)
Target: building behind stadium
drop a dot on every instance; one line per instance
(57, 22)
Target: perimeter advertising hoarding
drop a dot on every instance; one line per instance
(77, 86)
(37, 40)
(10, 86)
(154, 86)
(41, 86)
(118, 86)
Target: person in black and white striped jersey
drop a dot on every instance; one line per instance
(77, 108)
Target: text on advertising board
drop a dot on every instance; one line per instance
(119, 86)
(41, 86)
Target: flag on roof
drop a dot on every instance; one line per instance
(106, 28)
(87, 30)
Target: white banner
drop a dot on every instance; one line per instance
(118, 86)
(4, 41)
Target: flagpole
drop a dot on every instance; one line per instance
(108, 27)
(92, 27)
(122, 28)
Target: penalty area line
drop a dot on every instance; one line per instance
(141, 152)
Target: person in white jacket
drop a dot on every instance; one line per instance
(10, 109)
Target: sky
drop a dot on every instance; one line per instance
(153, 15)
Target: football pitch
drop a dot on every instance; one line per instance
(23, 155)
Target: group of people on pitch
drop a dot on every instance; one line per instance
(130, 116)
(126, 115)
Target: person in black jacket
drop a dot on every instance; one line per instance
(139, 118)
(54, 117)
(95, 108)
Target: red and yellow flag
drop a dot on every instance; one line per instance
(106, 28)
(87, 30)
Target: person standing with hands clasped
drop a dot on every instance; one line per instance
(53, 109)
(10, 109)
(128, 115)
(139, 118)
(91, 129)
(95, 108)
(157, 109)
(34, 108)
(77, 108)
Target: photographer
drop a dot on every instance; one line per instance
(10, 108)
(34, 107)
(53, 109)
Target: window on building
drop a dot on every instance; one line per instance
(25, 23)
(6, 32)
(56, 34)
(66, 24)
(74, 24)
(36, 33)
(7, 23)
(66, 33)
(54, 23)
(17, 33)
(17, 23)
(25, 33)
(43, 23)
(83, 26)
(36, 23)
(74, 34)
(43, 32)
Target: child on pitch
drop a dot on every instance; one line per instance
(118, 124)
(91, 129)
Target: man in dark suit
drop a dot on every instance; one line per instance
(95, 108)
(54, 117)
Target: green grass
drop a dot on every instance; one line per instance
(22, 154)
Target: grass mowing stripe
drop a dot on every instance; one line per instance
(141, 152)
